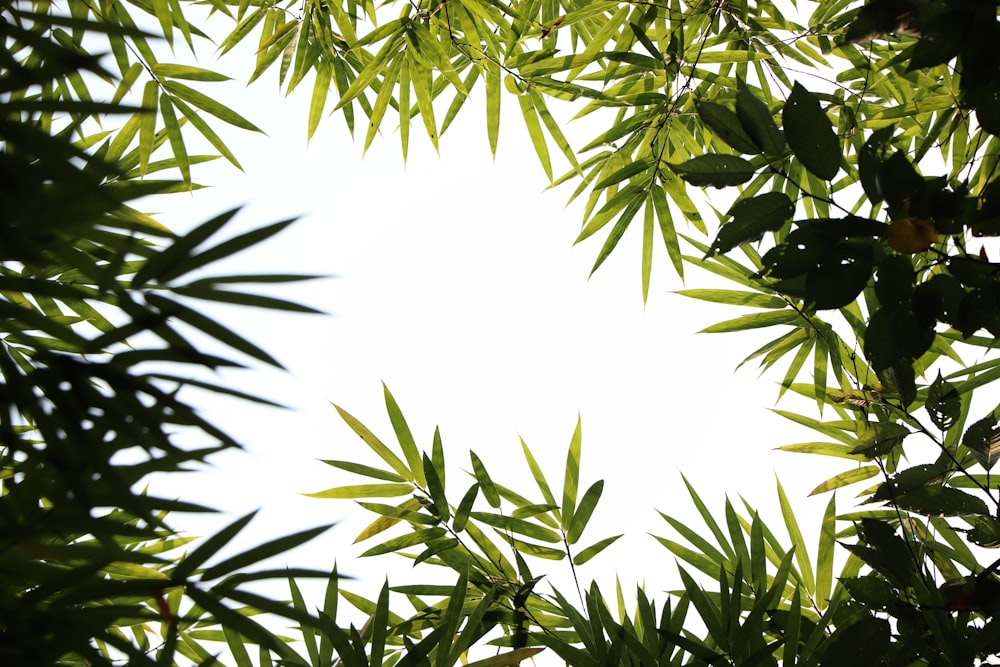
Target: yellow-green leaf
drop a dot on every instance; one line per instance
(845, 478)
(147, 125)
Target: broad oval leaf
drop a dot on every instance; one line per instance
(982, 439)
(941, 501)
(944, 404)
(717, 171)
(752, 218)
(810, 134)
(726, 125)
(757, 121)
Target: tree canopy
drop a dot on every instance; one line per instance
(858, 144)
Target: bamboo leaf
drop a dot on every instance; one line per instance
(754, 321)
(205, 103)
(536, 473)
(404, 436)
(584, 511)
(735, 297)
(420, 76)
(535, 133)
(798, 543)
(571, 479)
(173, 130)
(260, 552)
(364, 491)
(375, 444)
(845, 478)
(383, 99)
(317, 105)
(173, 71)
(147, 125)
(594, 549)
(493, 104)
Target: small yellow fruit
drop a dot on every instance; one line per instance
(909, 236)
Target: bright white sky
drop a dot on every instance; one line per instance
(458, 285)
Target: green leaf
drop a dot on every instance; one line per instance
(173, 130)
(260, 552)
(385, 522)
(210, 327)
(944, 404)
(726, 125)
(380, 626)
(420, 76)
(752, 218)
(173, 71)
(147, 125)
(584, 511)
(845, 478)
(628, 171)
(514, 657)
(375, 444)
(376, 66)
(317, 104)
(206, 131)
(754, 321)
(464, 508)
(535, 133)
(364, 491)
(728, 56)
(594, 549)
(810, 134)
(485, 482)
(717, 171)
(205, 103)
(403, 435)
(798, 543)
(382, 100)
(521, 526)
(647, 247)
(735, 297)
(571, 480)
(982, 439)
(401, 512)
(537, 474)
(367, 471)
(404, 541)
(941, 501)
(435, 486)
(209, 548)
(758, 122)
(492, 104)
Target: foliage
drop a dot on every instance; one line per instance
(100, 351)
(863, 189)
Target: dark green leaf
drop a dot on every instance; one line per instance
(726, 125)
(810, 134)
(717, 171)
(752, 218)
(758, 123)
(944, 404)
(983, 440)
(941, 501)
(259, 553)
